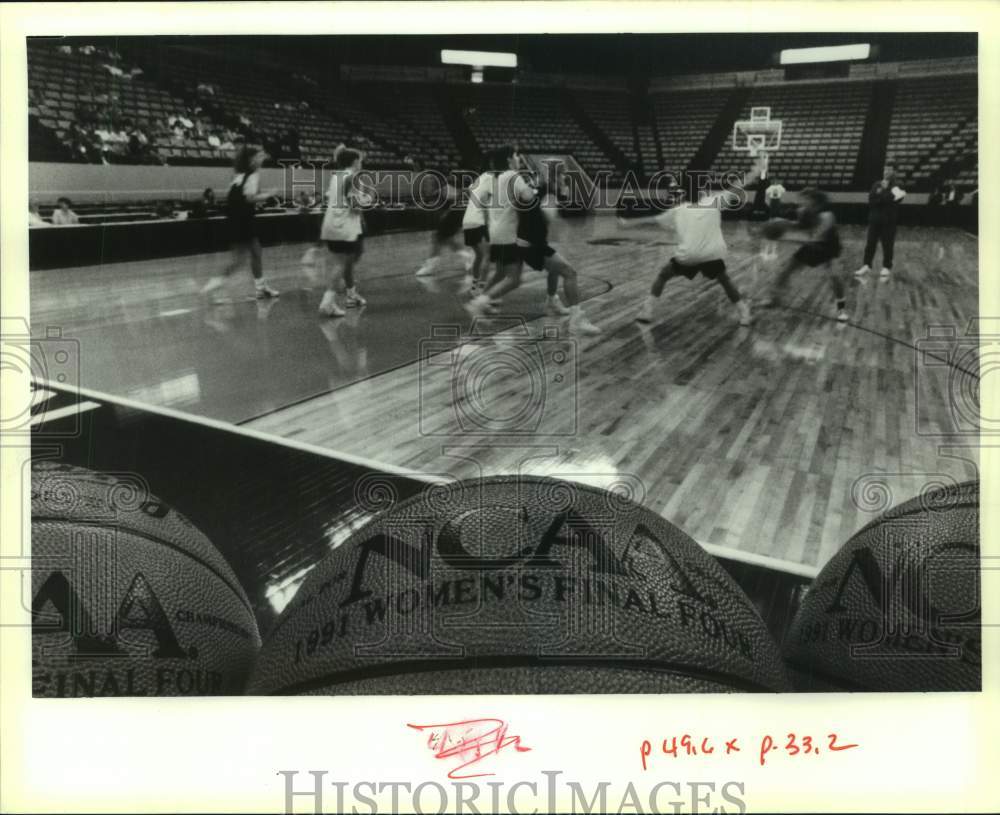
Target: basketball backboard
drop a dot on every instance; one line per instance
(759, 133)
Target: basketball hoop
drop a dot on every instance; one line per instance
(758, 134)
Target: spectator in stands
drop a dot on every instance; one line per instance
(34, 216)
(774, 194)
(883, 212)
(305, 201)
(63, 215)
(953, 195)
(138, 142)
(204, 205)
(244, 193)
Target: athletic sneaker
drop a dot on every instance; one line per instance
(554, 307)
(645, 314)
(328, 305)
(579, 324)
(354, 300)
(213, 284)
(429, 267)
(478, 305)
(862, 271)
(743, 307)
(264, 291)
(843, 316)
(885, 274)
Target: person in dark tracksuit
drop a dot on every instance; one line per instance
(883, 211)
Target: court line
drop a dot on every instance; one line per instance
(464, 339)
(882, 336)
(229, 427)
(60, 413)
(726, 553)
(764, 561)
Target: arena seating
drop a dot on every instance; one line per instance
(420, 124)
(88, 103)
(822, 126)
(683, 120)
(934, 122)
(79, 88)
(647, 148)
(534, 118)
(274, 107)
(611, 112)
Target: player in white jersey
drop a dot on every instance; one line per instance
(342, 230)
(475, 227)
(701, 247)
(532, 247)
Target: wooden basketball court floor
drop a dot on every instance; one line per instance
(778, 440)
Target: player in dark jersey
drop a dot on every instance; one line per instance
(244, 194)
(533, 249)
(821, 247)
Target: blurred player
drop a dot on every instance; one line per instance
(701, 247)
(244, 193)
(531, 246)
(449, 232)
(342, 230)
(820, 248)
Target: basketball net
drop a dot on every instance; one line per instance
(759, 156)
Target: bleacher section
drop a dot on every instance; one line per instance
(419, 122)
(822, 125)
(89, 103)
(534, 118)
(611, 112)
(934, 123)
(275, 106)
(683, 120)
(647, 148)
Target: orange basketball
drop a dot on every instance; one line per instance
(897, 608)
(128, 597)
(518, 585)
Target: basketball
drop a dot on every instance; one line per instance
(518, 585)
(897, 608)
(128, 597)
(774, 229)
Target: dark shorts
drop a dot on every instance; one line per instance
(816, 254)
(243, 229)
(450, 224)
(504, 253)
(535, 256)
(710, 269)
(354, 247)
(476, 236)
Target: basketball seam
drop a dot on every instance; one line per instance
(410, 667)
(236, 589)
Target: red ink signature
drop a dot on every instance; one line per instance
(469, 741)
